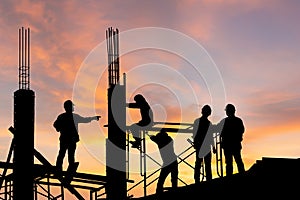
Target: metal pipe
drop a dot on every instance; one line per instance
(25, 50)
(25, 67)
(145, 163)
(19, 57)
(22, 67)
(117, 56)
(28, 59)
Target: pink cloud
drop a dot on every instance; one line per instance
(260, 69)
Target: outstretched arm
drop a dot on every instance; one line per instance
(80, 119)
(132, 105)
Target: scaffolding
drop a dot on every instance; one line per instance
(46, 177)
(171, 127)
(121, 139)
(44, 181)
(21, 178)
(47, 184)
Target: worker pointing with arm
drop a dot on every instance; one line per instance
(67, 124)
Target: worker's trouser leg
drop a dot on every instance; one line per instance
(71, 153)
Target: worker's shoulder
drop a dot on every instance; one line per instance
(61, 115)
(237, 118)
(65, 115)
(169, 138)
(76, 115)
(197, 120)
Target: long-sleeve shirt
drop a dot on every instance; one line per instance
(232, 130)
(145, 111)
(202, 135)
(166, 147)
(67, 125)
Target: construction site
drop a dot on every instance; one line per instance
(21, 178)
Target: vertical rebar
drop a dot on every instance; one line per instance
(117, 57)
(24, 58)
(116, 141)
(28, 60)
(20, 63)
(112, 37)
(24, 112)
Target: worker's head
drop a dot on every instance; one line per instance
(230, 109)
(206, 110)
(162, 132)
(69, 106)
(139, 98)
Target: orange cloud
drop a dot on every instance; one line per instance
(259, 69)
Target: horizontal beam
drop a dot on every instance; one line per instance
(6, 165)
(73, 185)
(45, 170)
(167, 129)
(172, 127)
(171, 130)
(173, 123)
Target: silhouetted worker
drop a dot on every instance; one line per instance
(203, 140)
(170, 165)
(231, 130)
(67, 124)
(146, 118)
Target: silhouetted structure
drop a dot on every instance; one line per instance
(28, 180)
(24, 103)
(203, 141)
(27, 177)
(116, 187)
(146, 118)
(45, 179)
(231, 130)
(67, 124)
(171, 127)
(170, 165)
(268, 178)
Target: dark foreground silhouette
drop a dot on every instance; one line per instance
(201, 133)
(170, 164)
(231, 130)
(146, 118)
(268, 178)
(67, 124)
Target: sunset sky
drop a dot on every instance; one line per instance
(251, 49)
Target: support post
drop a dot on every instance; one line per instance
(116, 188)
(24, 107)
